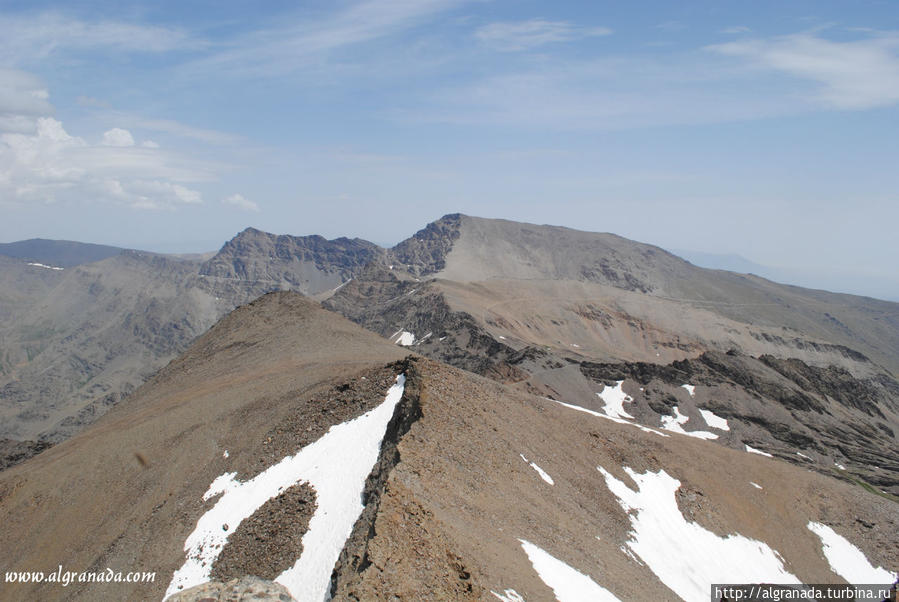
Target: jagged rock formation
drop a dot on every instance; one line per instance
(307, 264)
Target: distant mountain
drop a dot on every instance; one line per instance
(58, 253)
(290, 444)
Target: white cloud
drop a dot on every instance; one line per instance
(50, 165)
(859, 74)
(524, 35)
(117, 137)
(149, 144)
(237, 200)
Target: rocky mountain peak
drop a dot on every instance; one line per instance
(425, 252)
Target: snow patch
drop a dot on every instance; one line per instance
(848, 561)
(675, 425)
(402, 337)
(225, 454)
(615, 398)
(683, 555)
(539, 470)
(336, 467)
(756, 485)
(691, 389)
(753, 450)
(801, 455)
(49, 267)
(569, 585)
(716, 422)
(502, 338)
(509, 595)
(840, 466)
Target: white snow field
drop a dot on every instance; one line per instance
(336, 467)
(691, 389)
(675, 425)
(846, 560)
(569, 585)
(684, 556)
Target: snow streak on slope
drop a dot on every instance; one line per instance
(540, 471)
(686, 557)
(618, 420)
(49, 267)
(675, 425)
(568, 584)
(714, 421)
(753, 450)
(691, 389)
(336, 466)
(614, 399)
(846, 560)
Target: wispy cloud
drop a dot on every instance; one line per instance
(33, 37)
(285, 48)
(525, 35)
(736, 29)
(184, 130)
(604, 94)
(859, 74)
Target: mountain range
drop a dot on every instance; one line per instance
(552, 397)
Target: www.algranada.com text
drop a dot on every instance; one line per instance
(65, 578)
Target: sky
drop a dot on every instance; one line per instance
(768, 130)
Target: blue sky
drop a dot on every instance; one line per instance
(764, 129)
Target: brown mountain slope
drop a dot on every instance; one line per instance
(447, 504)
